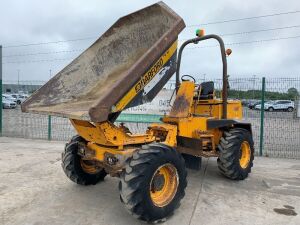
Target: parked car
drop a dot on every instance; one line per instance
(252, 104)
(245, 102)
(20, 98)
(8, 104)
(24, 95)
(9, 97)
(279, 105)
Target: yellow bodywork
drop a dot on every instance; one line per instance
(108, 134)
(187, 119)
(106, 138)
(191, 114)
(213, 108)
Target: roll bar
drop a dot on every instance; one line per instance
(224, 61)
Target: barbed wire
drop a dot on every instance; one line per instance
(245, 18)
(208, 46)
(245, 32)
(43, 53)
(46, 43)
(193, 25)
(249, 42)
(228, 34)
(253, 31)
(34, 61)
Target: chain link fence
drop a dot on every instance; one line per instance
(276, 132)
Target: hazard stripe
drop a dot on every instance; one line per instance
(145, 79)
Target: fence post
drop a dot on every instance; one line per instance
(262, 116)
(49, 128)
(1, 107)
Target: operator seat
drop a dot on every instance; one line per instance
(207, 91)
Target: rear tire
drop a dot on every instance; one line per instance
(80, 171)
(290, 109)
(153, 182)
(271, 109)
(236, 154)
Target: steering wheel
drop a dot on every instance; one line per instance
(189, 78)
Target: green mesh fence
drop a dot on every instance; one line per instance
(282, 119)
(281, 125)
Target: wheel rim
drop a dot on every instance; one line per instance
(164, 184)
(245, 154)
(88, 167)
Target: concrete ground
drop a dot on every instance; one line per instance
(34, 190)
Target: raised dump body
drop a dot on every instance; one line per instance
(127, 66)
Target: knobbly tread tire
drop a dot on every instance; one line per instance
(135, 179)
(229, 147)
(72, 168)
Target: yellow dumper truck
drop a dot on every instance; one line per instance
(126, 67)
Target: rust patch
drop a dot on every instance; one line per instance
(180, 106)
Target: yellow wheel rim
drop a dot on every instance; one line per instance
(89, 167)
(164, 184)
(245, 154)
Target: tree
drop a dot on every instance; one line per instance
(293, 92)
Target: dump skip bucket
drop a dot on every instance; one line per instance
(127, 66)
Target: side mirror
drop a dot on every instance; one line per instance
(228, 51)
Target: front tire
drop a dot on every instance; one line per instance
(153, 182)
(236, 154)
(80, 171)
(271, 109)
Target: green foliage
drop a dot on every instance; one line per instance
(291, 94)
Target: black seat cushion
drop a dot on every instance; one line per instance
(207, 90)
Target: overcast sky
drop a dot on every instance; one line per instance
(35, 21)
